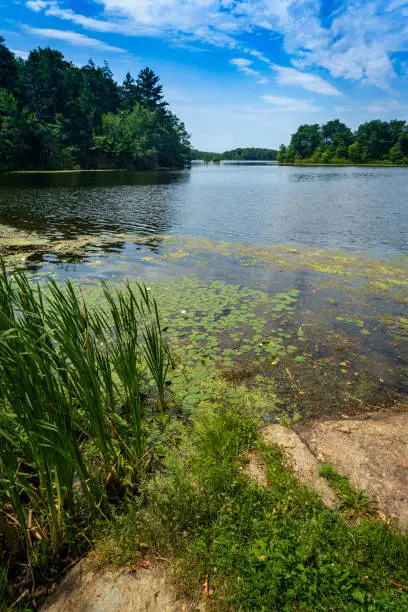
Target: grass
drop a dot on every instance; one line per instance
(354, 502)
(248, 547)
(84, 407)
(79, 390)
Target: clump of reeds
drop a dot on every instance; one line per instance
(73, 387)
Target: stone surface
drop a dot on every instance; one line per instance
(371, 451)
(305, 464)
(86, 590)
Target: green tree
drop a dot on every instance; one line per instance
(376, 138)
(357, 152)
(149, 89)
(403, 142)
(282, 154)
(45, 90)
(10, 131)
(171, 139)
(9, 69)
(306, 139)
(396, 155)
(337, 133)
(129, 93)
(126, 139)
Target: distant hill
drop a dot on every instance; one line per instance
(240, 154)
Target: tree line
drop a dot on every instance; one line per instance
(240, 154)
(373, 142)
(55, 115)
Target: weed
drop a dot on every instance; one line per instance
(256, 548)
(73, 428)
(354, 502)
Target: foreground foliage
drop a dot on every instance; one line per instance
(243, 546)
(79, 390)
(55, 115)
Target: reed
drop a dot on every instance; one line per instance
(73, 387)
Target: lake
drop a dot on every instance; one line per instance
(356, 209)
(296, 275)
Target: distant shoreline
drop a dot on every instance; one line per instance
(370, 165)
(88, 170)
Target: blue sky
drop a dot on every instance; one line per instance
(237, 72)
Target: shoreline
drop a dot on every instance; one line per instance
(90, 170)
(371, 165)
(125, 170)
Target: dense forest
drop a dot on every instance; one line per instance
(55, 115)
(241, 154)
(335, 143)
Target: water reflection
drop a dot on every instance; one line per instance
(344, 208)
(70, 204)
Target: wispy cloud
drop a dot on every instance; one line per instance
(357, 41)
(244, 65)
(306, 80)
(343, 109)
(72, 38)
(376, 108)
(291, 104)
(53, 10)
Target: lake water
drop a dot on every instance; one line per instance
(356, 209)
(297, 274)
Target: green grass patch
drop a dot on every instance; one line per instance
(354, 502)
(259, 548)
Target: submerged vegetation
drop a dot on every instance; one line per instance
(55, 115)
(334, 143)
(121, 426)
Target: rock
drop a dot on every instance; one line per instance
(113, 590)
(373, 455)
(305, 464)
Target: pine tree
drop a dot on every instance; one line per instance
(150, 91)
(129, 93)
(8, 68)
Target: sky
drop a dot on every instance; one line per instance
(237, 72)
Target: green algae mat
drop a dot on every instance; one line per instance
(299, 331)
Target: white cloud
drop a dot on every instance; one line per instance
(355, 42)
(376, 108)
(241, 62)
(291, 104)
(37, 5)
(311, 82)
(244, 65)
(53, 10)
(392, 6)
(72, 38)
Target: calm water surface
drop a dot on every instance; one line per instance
(345, 237)
(356, 209)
